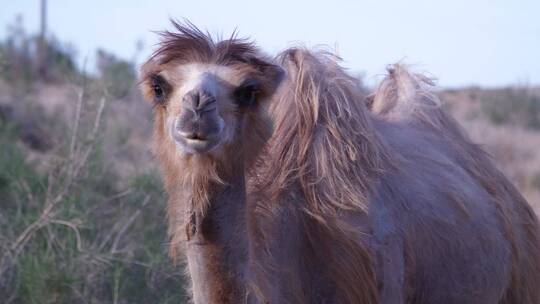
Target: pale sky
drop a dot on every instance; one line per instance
(476, 42)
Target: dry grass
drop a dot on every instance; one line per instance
(512, 137)
(82, 219)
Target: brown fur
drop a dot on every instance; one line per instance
(331, 166)
(206, 191)
(323, 170)
(189, 45)
(405, 96)
(344, 205)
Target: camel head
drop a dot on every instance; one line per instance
(202, 89)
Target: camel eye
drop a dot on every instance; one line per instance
(159, 87)
(158, 91)
(246, 94)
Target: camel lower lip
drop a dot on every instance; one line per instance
(196, 141)
(199, 145)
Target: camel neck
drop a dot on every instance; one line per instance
(217, 244)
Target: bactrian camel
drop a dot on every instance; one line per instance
(284, 187)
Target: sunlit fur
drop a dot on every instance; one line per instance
(321, 161)
(406, 97)
(343, 204)
(398, 206)
(199, 185)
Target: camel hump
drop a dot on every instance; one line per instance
(326, 151)
(326, 140)
(404, 95)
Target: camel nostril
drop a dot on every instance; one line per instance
(199, 101)
(208, 104)
(192, 99)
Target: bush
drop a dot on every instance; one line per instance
(118, 75)
(19, 58)
(514, 106)
(70, 235)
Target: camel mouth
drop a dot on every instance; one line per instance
(192, 143)
(197, 137)
(199, 145)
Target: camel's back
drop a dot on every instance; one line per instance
(443, 225)
(457, 247)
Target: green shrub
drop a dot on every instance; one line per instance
(512, 106)
(118, 75)
(19, 58)
(100, 243)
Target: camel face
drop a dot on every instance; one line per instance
(207, 94)
(203, 104)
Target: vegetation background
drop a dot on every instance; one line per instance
(82, 209)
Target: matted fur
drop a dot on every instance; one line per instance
(344, 205)
(366, 196)
(321, 161)
(404, 96)
(187, 45)
(206, 191)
